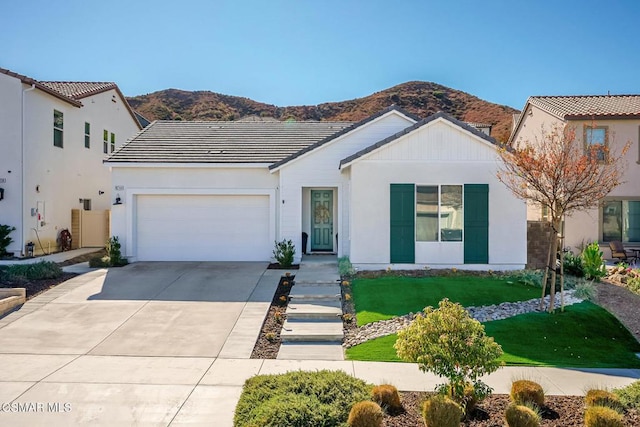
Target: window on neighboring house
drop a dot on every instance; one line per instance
(596, 141)
(58, 125)
(621, 220)
(439, 215)
(87, 135)
(105, 141)
(113, 142)
(86, 204)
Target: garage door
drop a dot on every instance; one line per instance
(203, 228)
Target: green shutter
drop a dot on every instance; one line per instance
(476, 224)
(402, 222)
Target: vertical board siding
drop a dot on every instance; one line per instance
(402, 224)
(476, 224)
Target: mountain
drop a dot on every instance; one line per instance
(420, 98)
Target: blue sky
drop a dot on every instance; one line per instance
(295, 52)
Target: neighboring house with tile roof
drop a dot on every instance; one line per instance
(390, 190)
(54, 137)
(612, 120)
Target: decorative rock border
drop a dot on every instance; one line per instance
(485, 313)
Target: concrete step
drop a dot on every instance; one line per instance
(310, 351)
(317, 310)
(314, 331)
(301, 292)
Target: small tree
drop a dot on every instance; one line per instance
(5, 240)
(451, 344)
(558, 172)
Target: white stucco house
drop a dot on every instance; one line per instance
(609, 120)
(390, 190)
(54, 138)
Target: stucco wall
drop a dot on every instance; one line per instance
(439, 153)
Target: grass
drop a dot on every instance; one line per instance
(585, 335)
(386, 297)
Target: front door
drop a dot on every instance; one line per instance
(321, 220)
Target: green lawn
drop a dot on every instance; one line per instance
(585, 335)
(386, 297)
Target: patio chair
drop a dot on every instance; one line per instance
(623, 255)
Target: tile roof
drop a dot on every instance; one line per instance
(79, 90)
(567, 107)
(439, 114)
(343, 132)
(222, 142)
(39, 85)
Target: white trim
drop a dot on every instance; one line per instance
(420, 266)
(131, 207)
(431, 123)
(302, 156)
(187, 165)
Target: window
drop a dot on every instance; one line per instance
(596, 141)
(87, 135)
(105, 141)
(58, 125)
(113, 142)
(86, 204)
(439, 213)
(621, 221)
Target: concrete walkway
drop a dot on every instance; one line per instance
(62, 369)
(56, 257)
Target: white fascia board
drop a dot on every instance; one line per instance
(409, 119)
(136, 165)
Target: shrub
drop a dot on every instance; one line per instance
(593, 262)
(5, 240)
(299, 398)
(365, 414)
(345, 268)
(522, 416)
(584, 289)
(114, 252)
(99, 262)
(633, 284)
(525, 391)
(630, 395)
(284, 252)
(573, 265)
(526, 277)
(440, 411)
(387, 397)
(451, 344)
(20, 273)
(596, 397)
(601, 416)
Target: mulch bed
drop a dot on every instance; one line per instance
(276, 266)
(268, 343)
(560, 411)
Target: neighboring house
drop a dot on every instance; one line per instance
(388, 190)
(612, 120)
(54, 137)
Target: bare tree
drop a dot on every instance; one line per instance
(564, 175)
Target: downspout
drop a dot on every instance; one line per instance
(22, 167)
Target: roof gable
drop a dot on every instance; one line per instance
(30, 81)
(79, 90)
(345, 131)
(393, 138)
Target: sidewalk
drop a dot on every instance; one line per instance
(57, 257)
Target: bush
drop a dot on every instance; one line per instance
(451, 344)
(594, 268)
(596, 397)
(601, 416)
(525, 391)
(522, 416)
(440, 411)
(299, 398)
(284, 252)
(5, 240)
(114, 253)
(630, 395)
(345, 268)
(526, 277)
(364, 414)
(387, 397)
(584, 289)
(99, 262)
(20, 273)
(573, 265)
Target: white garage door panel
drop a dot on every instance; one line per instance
(203, 228)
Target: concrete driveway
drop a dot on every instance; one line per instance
(131, 346)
